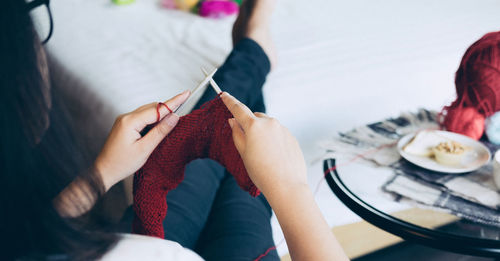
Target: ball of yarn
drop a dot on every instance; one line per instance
(477, 83)
(467, 121)
(493, 128)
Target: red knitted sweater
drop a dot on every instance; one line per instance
(204, 133)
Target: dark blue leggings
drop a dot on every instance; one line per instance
(208, 212)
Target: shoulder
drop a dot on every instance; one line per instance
(138, 247)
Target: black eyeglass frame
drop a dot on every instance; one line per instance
(36, 3)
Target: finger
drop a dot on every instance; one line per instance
(241, 113)
(172, 104)
(148, 114)
(261, 115)
(159, 132)
(145, 107)
(238, 135)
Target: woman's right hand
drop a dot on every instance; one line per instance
(275, 164)
(271, 154)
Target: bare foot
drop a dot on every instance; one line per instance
(253, 22)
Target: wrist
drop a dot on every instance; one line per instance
(286, 193)
(100, 171)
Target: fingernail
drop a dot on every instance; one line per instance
(231, 122)
(172, 119)
(185, 93)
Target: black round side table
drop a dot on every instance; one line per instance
(461, 236)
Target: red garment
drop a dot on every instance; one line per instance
(205, 133)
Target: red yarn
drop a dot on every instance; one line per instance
(478, 87)
(265, 253)
(467, 121)
(204, 133)
(158, 110)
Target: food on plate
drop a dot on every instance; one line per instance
(422, 143)
(431, 144)
(449, 152)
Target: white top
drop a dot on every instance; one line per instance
(137, 247)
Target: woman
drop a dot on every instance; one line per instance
(47, 190)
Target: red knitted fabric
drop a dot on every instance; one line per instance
(205, 133)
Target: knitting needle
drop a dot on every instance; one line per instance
(214, 85)
(180, 110)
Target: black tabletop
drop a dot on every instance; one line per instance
(461, 236)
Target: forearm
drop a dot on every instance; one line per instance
(80, 195)
(307, 234)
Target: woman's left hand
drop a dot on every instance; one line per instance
(126, 150)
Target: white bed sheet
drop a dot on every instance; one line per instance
(341, 64)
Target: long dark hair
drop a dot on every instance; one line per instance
(39, 154)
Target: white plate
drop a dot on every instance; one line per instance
(477, 156)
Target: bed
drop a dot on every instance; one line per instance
(340, 64)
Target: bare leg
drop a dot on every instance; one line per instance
(253, 22)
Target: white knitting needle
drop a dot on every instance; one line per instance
(214, 85)
(202, 84)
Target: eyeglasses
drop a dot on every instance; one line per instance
(42, 18)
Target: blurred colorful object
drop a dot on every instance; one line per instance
(186, 5)
(477, 84)
(493, 128)
(218, 8)
(170, 4)
(123, 2)
(206, 8)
